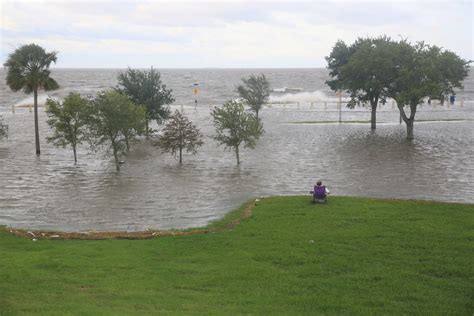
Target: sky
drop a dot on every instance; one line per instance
(224, 34)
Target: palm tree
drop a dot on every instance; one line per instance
(28, 70)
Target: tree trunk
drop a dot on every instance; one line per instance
(35, 104)
(126, 143)
(180, 145)
(75, 156)
(409, 123)
(373, 116)
(146, 129)
(237, 154)
(117, 164)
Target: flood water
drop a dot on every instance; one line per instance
(154, 191)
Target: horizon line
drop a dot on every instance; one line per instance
(197, 68)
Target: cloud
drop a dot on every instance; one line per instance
(225, 34)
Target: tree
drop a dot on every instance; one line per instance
(113, 116)
(424, 71)
(235, 126)
(3, 129)
(68, 119)
(28, 70)
(135, 125)
(364, 70)
(255, 92)
(145, 89)
(180, 133)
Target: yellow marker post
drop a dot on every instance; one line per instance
(196, 92)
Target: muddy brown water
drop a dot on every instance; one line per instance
(154, 191)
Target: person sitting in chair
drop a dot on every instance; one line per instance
(320, 193)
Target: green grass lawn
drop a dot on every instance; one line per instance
(350, 256)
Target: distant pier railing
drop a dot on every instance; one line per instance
(329, 105)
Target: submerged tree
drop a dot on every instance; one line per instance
(235, 126)
(255, 92)
(145, 89)
(364, 70)
(28, 70)
(180, 133)
(68, 119)
(3, 129)
(135, 125)
(424, 71)
(113, 116)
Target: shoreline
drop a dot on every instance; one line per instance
(229, 221)
(243, 212)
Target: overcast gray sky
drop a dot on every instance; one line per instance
(178, 34)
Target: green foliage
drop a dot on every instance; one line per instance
(424, 71)
(136, 125)
(373, 69)
(28, 70)
(364, 69)
(68, 119)
(352, 256)
(145, 88)
(255, 92)
(235, 126)
(180, 133)
(114, 122)
(338, 58)
(3, 129)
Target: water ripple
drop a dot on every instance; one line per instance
(154, 191)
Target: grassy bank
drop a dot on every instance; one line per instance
(353, 255)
